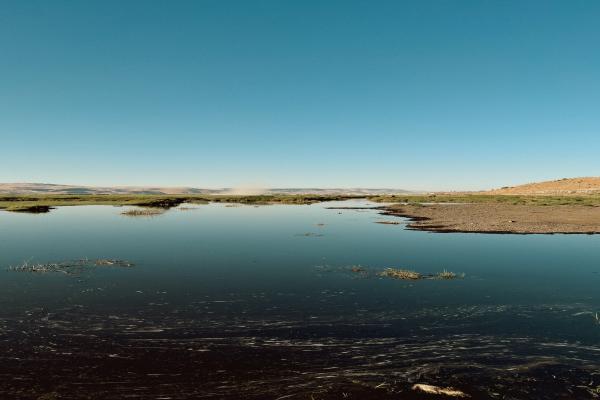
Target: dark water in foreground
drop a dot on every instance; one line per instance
(238, 302)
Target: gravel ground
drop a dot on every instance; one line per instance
(500, 218)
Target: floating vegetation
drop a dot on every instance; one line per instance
(449, 275)
(360, 270)
(404, 274)
(187, 208)
(70, 267)
(430, 389)
(115, 262)
(144, 212)
(357, 268)
(388, 222)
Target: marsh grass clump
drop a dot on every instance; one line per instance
(403, 274)
(446, 275)
(144, 212)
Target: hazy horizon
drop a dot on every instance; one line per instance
(416, 95)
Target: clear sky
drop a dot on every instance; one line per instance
(405, 94)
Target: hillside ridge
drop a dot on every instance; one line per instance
(565, 186)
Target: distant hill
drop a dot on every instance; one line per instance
(586, 185)
(46, 188)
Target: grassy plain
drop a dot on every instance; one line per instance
(539, 200)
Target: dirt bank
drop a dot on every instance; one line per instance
(500, 218)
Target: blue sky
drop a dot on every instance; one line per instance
(405, 94)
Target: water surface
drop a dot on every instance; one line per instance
(258, 302)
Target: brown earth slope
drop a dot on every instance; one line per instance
(580, 186)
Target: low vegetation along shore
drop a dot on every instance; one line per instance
(44, 203)
(480, 213)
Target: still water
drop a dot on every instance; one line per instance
(260, 302)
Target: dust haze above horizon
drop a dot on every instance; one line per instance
(415, 95)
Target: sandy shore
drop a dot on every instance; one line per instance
(500, 218)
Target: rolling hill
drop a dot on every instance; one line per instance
(566, 186)
(46, 188)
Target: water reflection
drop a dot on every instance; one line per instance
(234, 302)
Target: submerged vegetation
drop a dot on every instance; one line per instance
(143, 212)
(392, 273)
(309, 234)
(448, 275)
(69, 267)
(406, 274)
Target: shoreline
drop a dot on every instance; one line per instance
(496, 218)
(436, 213)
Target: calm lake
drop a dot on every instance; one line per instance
(261, 302)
